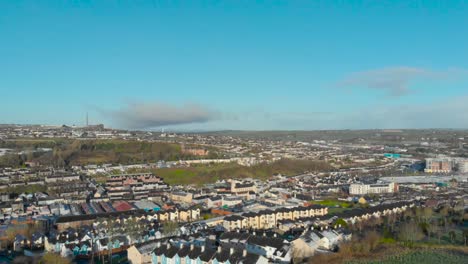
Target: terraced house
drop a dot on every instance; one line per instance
(266, 219)
(169, 254)
(179, 215)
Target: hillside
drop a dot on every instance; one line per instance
(66, 152)
(212, 173)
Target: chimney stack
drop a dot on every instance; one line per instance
(219, 249)
(244, 253)
(203, 248)
(191, 247)
(231, 251)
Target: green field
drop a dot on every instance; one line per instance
(334, 203)
(211, 173)
(424, 256)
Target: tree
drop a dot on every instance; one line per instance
(169, 228)
(110, 227)
(132, 229)
(427, 213)
(452, 235)
(10, 160)
(419, 212)
(445, 212)
(410, 232)
(459, 210)
(51, 258)
(431, 228)
(465, 236)
(372, 238)
(439, 232)
(377, 221)
(26, 231)
(341, 222)
(391, 218)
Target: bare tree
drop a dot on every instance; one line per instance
(372, 238)
(452, 235)
(465, 236)
(133, 229)
(427, 213)
(410, 232)
(169, 228)
(431, 228)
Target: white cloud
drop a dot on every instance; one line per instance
(396, 81)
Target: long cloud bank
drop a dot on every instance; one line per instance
(146, 115)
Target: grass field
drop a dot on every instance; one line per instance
(335, 206)
(211, 173)
(334, 203)
(422, 256)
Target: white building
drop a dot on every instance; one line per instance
(463, 166)
(361, 189)
(231, 201)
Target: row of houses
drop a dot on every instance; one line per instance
(168, 254)
(136, 186)
(363, 214)
(172, 215)
(274, 248)
(237, 247)
(266, 219)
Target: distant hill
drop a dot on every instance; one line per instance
(373, 135)
(66, 152)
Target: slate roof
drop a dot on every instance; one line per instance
(147, 247)
(195, 253)
(184, 251)
(207, 254)
(171, 252)
(234, 235)
(233, 218)
(266, 241)
(223, 255)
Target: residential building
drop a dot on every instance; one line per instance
(361, 189)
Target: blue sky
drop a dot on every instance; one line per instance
(256, 65)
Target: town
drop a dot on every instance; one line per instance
(109, 212)
(233, 132)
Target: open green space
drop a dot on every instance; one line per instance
(212, 172)
(420, 256)
(337, 206)
(334, 203)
